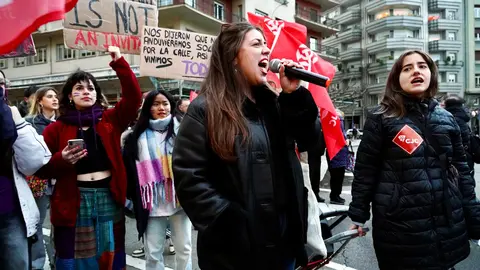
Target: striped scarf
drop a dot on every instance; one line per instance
(154, 165)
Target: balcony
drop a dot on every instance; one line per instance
(325, 52)
(393, 43)
(348, 3)
(437, 5)
(347, 36)
(196, 12)
(325, 4)
(350, 16)
(407, 22)
(374, 6)
(351, 54)
(348, 74)
(447, 65)
(381, 65)
(444, 24)
(377, 88)
(444, 45)
(450, 87)
(315, 22)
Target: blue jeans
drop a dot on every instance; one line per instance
(38, 248)
(13, 242)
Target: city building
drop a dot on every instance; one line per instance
(373, 34)
(54, 62)
(472, 67)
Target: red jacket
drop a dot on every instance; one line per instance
(65, 200)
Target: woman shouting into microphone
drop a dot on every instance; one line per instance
(236, 172)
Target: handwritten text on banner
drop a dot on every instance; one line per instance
(175, 54)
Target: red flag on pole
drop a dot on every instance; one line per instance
(293, 48)
(20, 19)
(193, 95)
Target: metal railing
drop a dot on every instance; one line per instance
(312, 15)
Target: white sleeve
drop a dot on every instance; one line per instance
(30, 150)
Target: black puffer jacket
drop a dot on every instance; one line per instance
(410, 226)
(462, 117)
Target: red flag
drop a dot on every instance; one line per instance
(20, 19)
(193, 95)
(293, 48)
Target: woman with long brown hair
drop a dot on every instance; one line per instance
(43, 112)
(411, 166)
(236, 172)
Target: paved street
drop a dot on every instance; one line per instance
(358, 255)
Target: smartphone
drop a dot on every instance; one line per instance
(76, 142)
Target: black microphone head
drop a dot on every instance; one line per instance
(275, 65)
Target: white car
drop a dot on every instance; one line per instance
(350, 133)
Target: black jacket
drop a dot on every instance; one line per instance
(410, 226)
(220, 197)
(462, 117)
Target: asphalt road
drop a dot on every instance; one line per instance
(358, 255)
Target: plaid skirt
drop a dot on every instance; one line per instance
(98, 239)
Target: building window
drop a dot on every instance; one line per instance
(86, 54)
(477, 80)
(40, 58)
(416, 34)
(452, 56)
(3, 63)
(370, 18)
(313, 44)
(372, 58)
(391, 34)
(451, 15)
(219, 11)
(373, 99)
(65, 53)
(162, 3)
(261, 13)
(476, 11)
(451, 36)
(19, 62)
(191, 3)
(314, 15)
(452, 78)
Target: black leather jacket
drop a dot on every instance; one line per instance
(219, 196)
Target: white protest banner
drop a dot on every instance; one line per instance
(94, 25)
(175, 54)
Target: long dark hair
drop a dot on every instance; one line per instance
(146, 115)
(392, 104)
(74, 78)
(225, 89)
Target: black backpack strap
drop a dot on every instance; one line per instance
(432, 144)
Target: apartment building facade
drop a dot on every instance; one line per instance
(53, 62)
(374, 33)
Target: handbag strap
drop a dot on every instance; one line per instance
(442, 156)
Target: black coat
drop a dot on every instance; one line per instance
(39, 122)
(218, 195)
(410, 228)
(462, 117)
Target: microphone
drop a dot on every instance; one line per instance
(301, 74)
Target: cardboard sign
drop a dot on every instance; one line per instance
(175, 54)
(26, 48)
(104, 23)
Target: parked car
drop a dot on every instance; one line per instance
(350, 133)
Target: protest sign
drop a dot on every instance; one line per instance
(26, 48)
(175, 54)
(94, 25)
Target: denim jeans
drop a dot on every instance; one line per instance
(13, 242)
(38, 248)
(154, 241)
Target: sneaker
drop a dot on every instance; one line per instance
(138, 252)
(171, 250)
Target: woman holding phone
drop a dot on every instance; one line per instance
(89, 196)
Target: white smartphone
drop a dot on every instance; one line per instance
(76, 142)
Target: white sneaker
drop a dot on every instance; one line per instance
(138, 252)
(171, 250)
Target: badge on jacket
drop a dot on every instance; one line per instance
(408, 139)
